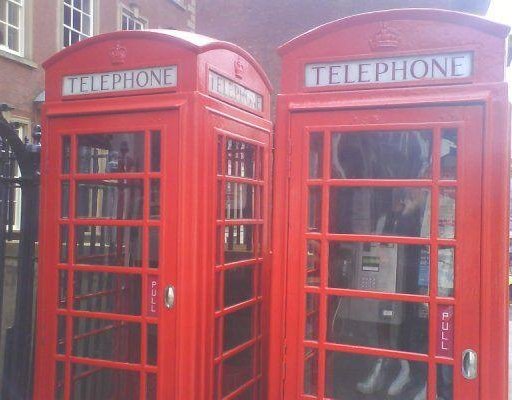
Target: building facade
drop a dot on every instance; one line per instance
(33, 30)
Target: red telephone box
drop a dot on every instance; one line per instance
(392, 154)
(153, 263)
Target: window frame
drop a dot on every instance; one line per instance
(131, 14)
(22, 4)
(70, 28)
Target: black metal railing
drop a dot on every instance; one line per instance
(19, 188)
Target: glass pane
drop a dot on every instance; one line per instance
(237, 370)
(59, 377)
(64, 202)
(94, 382)
(13, 38)
(152, 344)
(154, 240)
(316, 152)
(380, 211)
(379, 267)
(77, 23)
(111, 153)
(62, 300)
(108, 245)
(312, 312)
(239, 201)
(310, 371)
(14, 14)
(449, 154)
(385, 324)
(151, 387)
(382, 155)
(3, 33)
(238, 328)
(86, 25)
(445, 272)
(238, 243)
(107, 292)
(66, 154)
(106, 339)
(240, 159)
(110, 199)
(447, 198)
(313, 260)
(3, 10)
(67, 15)
(156, 151)
(154, 200)
(357, 377)
(315, 209)
(445, 324)
(64, 238)
(86, 6)
(238, 285)
(445, 382)
(61, 334)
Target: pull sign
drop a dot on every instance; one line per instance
(445, 323)
(390, 70)
(152, 293)
(118, 81)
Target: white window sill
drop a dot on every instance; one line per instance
(18, 59)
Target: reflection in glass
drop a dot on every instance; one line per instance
(61, 334)
(240, 159)
(59, 381)
(66, 154)
(380, 211)
(312, 311)
(445, 272)
(238, 328)
(107, 292)
(379, 267)
(384, 324)
(360, 377)
(151, 387)
(238, 243)
(152, 344)
(154, 199)
(110, 153)
(447, 198)
(156, 150)
(239, 201)
(449, 153)
(310, 371)
(62, 300)
(93, 382)
(154, 240)
(315, 209)
(313, 260)
(64, 202)
(238, 285)
(109, 199)
(64, 238)
(316, 151)
(444, 382)
(106, 339)
(382, 155)
(237, 370)
(108, 245)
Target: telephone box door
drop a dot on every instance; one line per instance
(103, 335)
(386, 208)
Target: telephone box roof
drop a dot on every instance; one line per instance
(195, 42)
(457, 18)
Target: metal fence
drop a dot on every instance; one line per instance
(19, 187)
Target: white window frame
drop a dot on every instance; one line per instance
(21, 28)
(70, 29)
(132, 14)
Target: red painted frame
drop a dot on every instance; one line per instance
(189, 120)
(300, 111)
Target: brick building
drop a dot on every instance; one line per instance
(261, 26)
(32, 30)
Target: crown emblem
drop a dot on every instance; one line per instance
(118, 54)
(239, 68)
(385, 39)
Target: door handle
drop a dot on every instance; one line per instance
(169, 297)
(469, 364)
